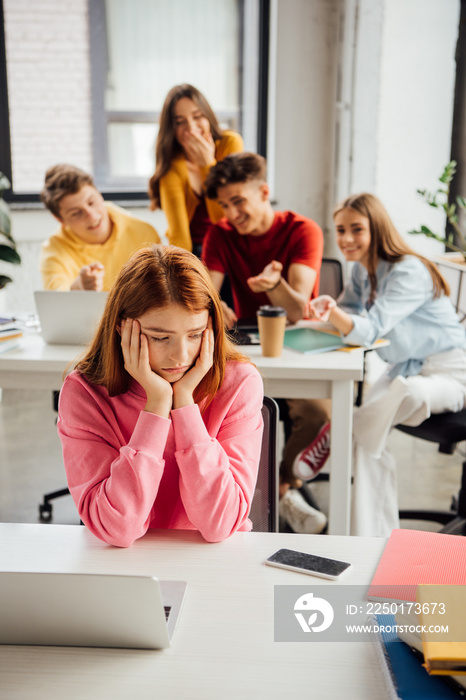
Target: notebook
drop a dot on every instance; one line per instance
(442, 615)
(69, 318)
(412, 557)
(409, 632)
(91, 610)
(310, 340)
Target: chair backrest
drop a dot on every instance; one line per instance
(331, 277)
(264, 511)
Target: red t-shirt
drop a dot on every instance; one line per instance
(291, 239)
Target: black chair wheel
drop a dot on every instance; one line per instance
(45, 513)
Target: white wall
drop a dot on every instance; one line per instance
(302, 117)
(417, 79)
(401, 79)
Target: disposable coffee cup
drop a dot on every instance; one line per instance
(271, 321)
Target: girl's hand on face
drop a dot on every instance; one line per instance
(183, 389)
(320, 308)
(199, 150)
(135, 349)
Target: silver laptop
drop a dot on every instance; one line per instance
(69, 318)
(91, 610)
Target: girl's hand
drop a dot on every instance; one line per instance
(199, 150)
(320, 308)
(183, 389)
(135, 349)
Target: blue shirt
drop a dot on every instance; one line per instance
(404, 312)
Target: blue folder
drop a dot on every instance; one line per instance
(410, 679)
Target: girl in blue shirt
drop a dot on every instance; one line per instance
(396, 294)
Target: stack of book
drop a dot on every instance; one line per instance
(10, 334)
(424, 650)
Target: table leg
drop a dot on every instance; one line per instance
(341, 441)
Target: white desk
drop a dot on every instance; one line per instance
(35, 365)
(223, 645)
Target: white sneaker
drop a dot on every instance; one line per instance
(301, 517)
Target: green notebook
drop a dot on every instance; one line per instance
(309, 340)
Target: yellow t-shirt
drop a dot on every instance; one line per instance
(179, 201)
(64, 254)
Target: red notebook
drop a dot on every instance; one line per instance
(412, 557)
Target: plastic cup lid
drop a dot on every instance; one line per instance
(271, 311)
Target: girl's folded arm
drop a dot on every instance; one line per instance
(114, 486)
(218, 475)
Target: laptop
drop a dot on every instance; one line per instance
(69, 318)
(245, 332)
(88, 610)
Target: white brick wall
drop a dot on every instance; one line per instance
(48, 68)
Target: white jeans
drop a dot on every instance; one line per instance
(440, 387)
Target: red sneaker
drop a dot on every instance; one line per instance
(310, 461)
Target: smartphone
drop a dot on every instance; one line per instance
(309, 564)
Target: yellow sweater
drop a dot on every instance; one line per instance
(64, 254)
(179, 201)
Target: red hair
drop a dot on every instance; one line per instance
(154, 278)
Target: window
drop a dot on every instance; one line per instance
(87, 80)
(151, 45)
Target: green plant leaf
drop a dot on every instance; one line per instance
(5, 220)
(425, 231)
(4, 280)
(9, 254)
(4, 183)
(461, 201)
(448, 173)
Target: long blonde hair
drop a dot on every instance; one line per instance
(386, 243)
(152, 279)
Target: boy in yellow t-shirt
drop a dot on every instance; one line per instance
(95, 238)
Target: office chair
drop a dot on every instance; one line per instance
(331, 277)
(45, 508)
(264, 511)
(446, 429)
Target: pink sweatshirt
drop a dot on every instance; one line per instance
(129, 470)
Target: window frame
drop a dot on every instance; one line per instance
(98, 59)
